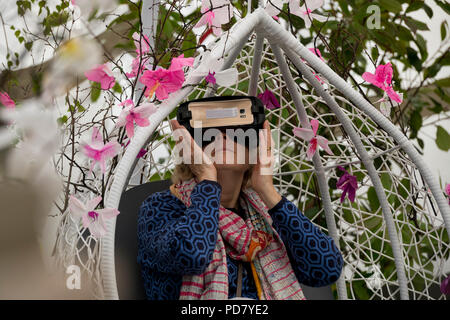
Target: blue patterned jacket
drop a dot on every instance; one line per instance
(174, 240)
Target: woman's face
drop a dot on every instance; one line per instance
(228, 154)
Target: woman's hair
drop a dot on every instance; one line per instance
(182, 172)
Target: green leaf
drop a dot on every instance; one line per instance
(386, 180)
(414, 6)
(95, 91)
(443, 82)
(422, 44)
(428, 10)
(444, 5)
(56, 19)
(443, 30)
(28, 45)
(373, 199)
(442, 139)
(415, 25)
(62, 120)
(391, 5)
(117, 88)
(415, 122)
(413, 58)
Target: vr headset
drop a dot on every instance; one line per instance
(244, 115)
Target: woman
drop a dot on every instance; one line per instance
(223, 231)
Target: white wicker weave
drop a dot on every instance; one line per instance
(394, 237)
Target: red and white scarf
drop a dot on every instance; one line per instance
(251, 240)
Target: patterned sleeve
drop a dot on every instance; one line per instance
(176, 239)
(314, 256)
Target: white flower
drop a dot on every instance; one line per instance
(93, 219)
(224, 78)
(386, 103)
(305, 11)
(87, 7)
(72, 59)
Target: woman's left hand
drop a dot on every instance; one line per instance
(262, 178)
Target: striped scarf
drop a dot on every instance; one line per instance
(250, 239)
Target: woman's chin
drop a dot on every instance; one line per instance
(225, 159)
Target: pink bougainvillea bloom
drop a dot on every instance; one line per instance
(93, 219)
(180, 62)
(447, 191)
(138, 65)
(131, 114)
(348, 184)
(385, 104)
(383, 80)
(314, 139)
(215, 13)
(269, 100)
(7, 101)
(101, 74)
(142, 43)
(98, 151)
(210, 78)
(305, 11)
(162, 82)
(445, 286)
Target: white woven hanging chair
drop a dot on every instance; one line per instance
(394, 237)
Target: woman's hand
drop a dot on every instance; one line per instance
(262, 179)
(200, 164)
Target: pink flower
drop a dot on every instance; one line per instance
(210, 78)
(305, 11)
(269, 100)
(383, 80)
(93, 219)
(348, 184)
(447, 191)
(130, 114)
(101, 74)
(180, 62)
(314, 140)
(139, 64)
(162, 82)
(220, 13)
(98, 151)
(7, 101)
(142, 44)
(142, 48)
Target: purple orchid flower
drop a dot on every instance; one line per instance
(445, 286)
(269, 100)
(348, 184)
(210, 78)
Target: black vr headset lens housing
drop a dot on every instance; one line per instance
(240, 117)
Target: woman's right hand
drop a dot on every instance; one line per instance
(205, 170)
